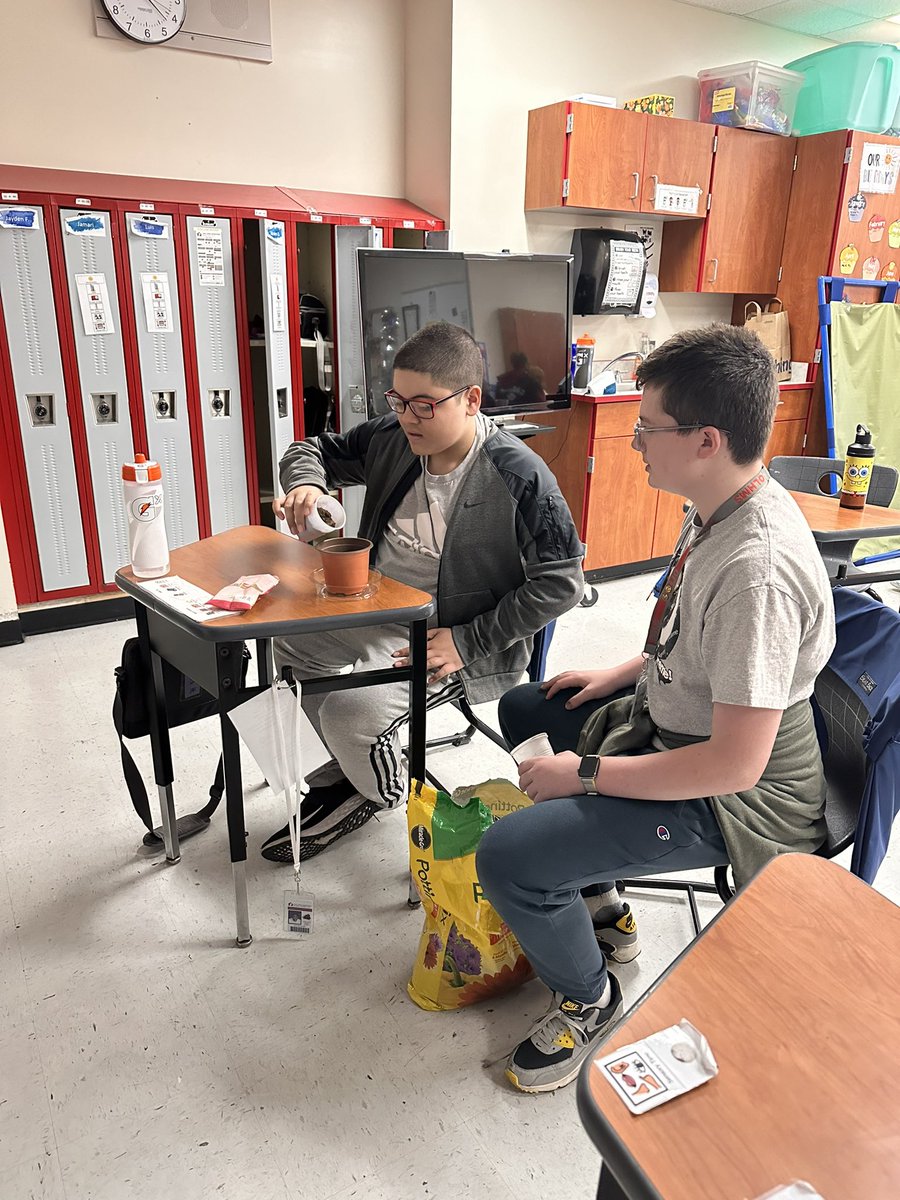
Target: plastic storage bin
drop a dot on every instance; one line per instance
(750, 95)
(852, 86)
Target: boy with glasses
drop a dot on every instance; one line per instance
(454, 506)
(699, 751)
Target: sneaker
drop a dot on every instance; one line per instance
(552, 1054)
(618, 939)
(326, 814)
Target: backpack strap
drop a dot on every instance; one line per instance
(133, 780)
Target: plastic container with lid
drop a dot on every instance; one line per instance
(852, 86)
(750, 95)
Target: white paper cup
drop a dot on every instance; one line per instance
(537, 746)
(316, 525)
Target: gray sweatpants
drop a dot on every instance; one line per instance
(360, 726)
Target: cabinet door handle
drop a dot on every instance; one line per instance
(655, 179)
(714, 263)
(636, 176)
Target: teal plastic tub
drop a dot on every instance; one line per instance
(852, 86)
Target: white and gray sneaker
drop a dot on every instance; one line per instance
(552, 1054)
(618, 937)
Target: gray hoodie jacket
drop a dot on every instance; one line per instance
(511, 561)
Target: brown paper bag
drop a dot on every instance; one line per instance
(774, 331)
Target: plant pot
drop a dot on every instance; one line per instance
(345, 562)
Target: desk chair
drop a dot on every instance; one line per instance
(536, 668)
(808, 474)
(856, 706)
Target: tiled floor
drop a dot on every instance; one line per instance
(143, 1055)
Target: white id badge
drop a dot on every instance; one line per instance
(298, 910)
(659, 1067)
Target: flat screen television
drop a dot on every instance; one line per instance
(518, 308)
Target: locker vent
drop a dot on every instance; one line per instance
(227, 492)
(25, 301)
(115, 507)
(279, 355)
(53, 510)
(215, 340)
(172, 508)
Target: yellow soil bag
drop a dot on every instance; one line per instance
(466, 952)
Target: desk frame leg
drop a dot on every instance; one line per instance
(418, 690)
(159, 737)
(609, 1187)
(228, 663)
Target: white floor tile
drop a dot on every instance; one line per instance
(37, 1178)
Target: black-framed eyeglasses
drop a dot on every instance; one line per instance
(640, 430)
(419, 406)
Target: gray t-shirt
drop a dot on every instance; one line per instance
(413, 540)
(752, 622)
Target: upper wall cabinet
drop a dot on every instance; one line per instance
(585, 156)
(738, 247)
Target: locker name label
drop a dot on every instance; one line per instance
(149, 228)
(20, 218)
(85, 225)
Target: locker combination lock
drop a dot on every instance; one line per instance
(281, 401)
(40, 409)
(220, 402)
(164, 405)
(104, 405)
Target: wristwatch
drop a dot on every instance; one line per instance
(588, 769)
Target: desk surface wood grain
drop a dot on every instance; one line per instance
(825, 515)
(797, 988)
(257, 550)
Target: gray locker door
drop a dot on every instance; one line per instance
(41, 404)
(97, 323)
(348, 321)
(157, 317)
(278, 343)
(215, 333)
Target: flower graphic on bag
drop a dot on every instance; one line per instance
(461, 957)
(432, 950)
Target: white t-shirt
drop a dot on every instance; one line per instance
(752, 622)
(413, 540)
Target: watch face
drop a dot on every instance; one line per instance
(147, 21)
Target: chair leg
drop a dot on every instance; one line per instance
(679, 885)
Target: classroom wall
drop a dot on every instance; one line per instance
(509, 56)
(427, 81)
(327, 113)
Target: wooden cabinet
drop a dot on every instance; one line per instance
(820, 224)
(738, 247)
(586, 156)
(627, 525)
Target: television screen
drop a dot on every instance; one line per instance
(516, 306)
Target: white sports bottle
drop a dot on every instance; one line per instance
(142, 482)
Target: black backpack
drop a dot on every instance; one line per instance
(186, 701)
(313, 316)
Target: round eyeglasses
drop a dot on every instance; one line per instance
(419, 406)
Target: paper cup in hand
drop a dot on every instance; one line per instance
(327, 516)
(537, 746)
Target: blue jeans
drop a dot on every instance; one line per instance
(534, 864)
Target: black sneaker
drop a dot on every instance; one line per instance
(552, 1054)
(327, 813)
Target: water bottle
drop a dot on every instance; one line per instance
(142, 484)
(858, 469)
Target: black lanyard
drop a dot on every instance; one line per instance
(675, 570)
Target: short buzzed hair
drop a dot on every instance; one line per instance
(446, 352)
(719, 375)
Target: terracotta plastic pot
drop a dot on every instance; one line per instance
(345, 562)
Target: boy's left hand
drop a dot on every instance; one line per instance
(547, 778)
(443, 657)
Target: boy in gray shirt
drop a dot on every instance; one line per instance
(742, 627)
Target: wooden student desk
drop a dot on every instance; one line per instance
(837, 530)
(796, 986)
(211, 654)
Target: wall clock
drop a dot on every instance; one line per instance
(147, 21)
